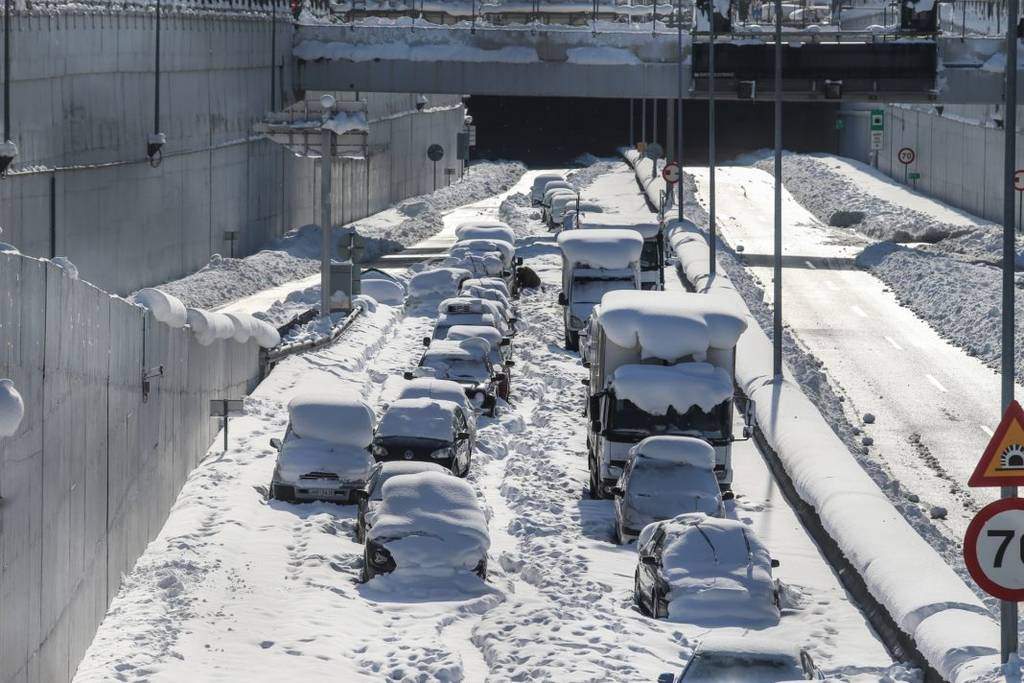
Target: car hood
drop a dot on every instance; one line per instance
(303, 456)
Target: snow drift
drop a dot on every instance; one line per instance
(164, 307)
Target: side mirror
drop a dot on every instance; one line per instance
(617, 491)
(408, 374)
(649, 560)
(561, 299)
(585, 381)
(510, 364)
(426, 341)
(585, 363)
(595, 426)
(728, 495)
(505, 341)
(462, 436)
(275, 443)
(519, 260)
(775, 564)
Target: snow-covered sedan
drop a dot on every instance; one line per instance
(490, 283)
(429, 524)
(371, 496)
(540, 182)
(501, 346)
(440, 390)
(466, 362)
(325, 454)
(428, 430)
(705, 570)
(466, 310)
(750, 657)
(665, 476)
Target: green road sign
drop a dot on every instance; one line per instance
(877, 119)
(914, 176)
(840, 124)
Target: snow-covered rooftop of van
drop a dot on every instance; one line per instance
(611, 249)
(656, 388)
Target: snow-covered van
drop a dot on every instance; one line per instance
(661, 363)
(540, 182)
(595, 262)
(652, 258)
(325, 454)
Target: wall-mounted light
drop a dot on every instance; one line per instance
(833, 90)
(421, 102)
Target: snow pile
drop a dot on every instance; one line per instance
(12, 408)
(443, 281)
(65, 264)
(348, 122)
(676, 450)
(717, 571)
(431, 522)
(340, 417)
(209, 326)
(655, 389)
(166, 308)
(607, 249)
(419, 417)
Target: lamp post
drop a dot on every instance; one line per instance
(327, 103)
(679, 124)
(711, 144)
(777, 266)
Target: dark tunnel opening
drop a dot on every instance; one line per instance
(553, 131)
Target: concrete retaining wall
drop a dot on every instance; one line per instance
(82, 100)
(88, 479)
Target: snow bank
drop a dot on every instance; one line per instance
(437, 282)
(348, 122)
(677, 450)
(164, 307)
(717, 569)
(244, 325)
(609, 249)
(12, 408)
(656, 388)
(383, 291)
(425, 418)
(431, 521)
(501, 233)
(340, 417)
(209, 326)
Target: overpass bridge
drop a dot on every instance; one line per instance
(578, 62)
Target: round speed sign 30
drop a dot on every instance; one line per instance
(994, 549)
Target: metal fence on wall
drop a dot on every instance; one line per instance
(88, 479)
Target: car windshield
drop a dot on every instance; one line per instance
(459, 369)
(741, 668)
(626, 420)
(650, 256)
(590, 291)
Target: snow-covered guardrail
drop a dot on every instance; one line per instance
(926, 599)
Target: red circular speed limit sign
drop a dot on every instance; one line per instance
(1018, 180)
(906, 156)
(671, 173)
(994, 549)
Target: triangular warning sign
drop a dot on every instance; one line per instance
(1002, 464)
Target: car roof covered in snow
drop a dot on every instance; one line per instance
(676, 450)
(465, 349)
(392, 468)
(486, 232)
(490, 293)
(425, 418)
(656, 388)
(430, 521)
(488, 332)
(485, 245)
(489, 283)
(647, 230)
(753, 644)
(439, 389)
(611, 249)
(480, 222)
(340, 417)
(557, 184)
(542, 179)
(443, 281)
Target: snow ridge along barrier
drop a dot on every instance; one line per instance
(89, 477)
(947, 623)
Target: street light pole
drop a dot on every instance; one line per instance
(777, 317)
(326, 226)
(679, 106)
(712, 228)
(7, 71)
(1008, 610)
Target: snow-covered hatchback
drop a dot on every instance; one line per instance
(371, 496)
(429, 524)
(466, 362)
(325, 454)
(427, 430)
(705, 570)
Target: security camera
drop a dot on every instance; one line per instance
(8, 153)
(421, 102)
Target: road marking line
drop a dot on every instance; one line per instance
(831, 285)
(894, 344)
(936, 383)
(811, 265)
(986, 430)
(859, 311)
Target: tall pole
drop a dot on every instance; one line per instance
(712, 231)
(632, 137)
(326, 225)
(156, 86)
(7, 71)
(643, 120)
(679, 106)
(1008, 610)
(777, 326)
(273, 56)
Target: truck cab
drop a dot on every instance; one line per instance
(661, 363)
(595, 262)
(652, 257)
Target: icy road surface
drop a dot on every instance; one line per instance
(239, 588)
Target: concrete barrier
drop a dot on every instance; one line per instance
(89, 477)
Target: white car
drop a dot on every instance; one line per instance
(489, 283)
(372, 494)
(551, 198)
(540, 182)
(325, 454)
(750, 657)
(665, 476)
(493, 294)
(437, 282)
(705, 570)
(501, 233)
(427, 524)
(466, 310)
(559, 205)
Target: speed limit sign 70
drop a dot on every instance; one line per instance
(906, 156)
(994, 549)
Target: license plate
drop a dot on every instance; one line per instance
(322, 492)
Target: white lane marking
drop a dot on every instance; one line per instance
(894, 344)
(935, 382)
(831, 285)
(985, 429)
(811, 265)
(859, 311)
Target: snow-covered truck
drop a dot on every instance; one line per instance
(652, 258)
(661, 363)
(595, 262)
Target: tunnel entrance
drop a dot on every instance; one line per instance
(552, 131)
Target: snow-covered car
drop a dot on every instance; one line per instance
(489, 283)
(479, 264)
(325, 454)
(371, 495)
(551, 187)
(489, 293)
(427, 523)
(466, 362)
(428, 430)
(665, 476)
(559, 205)
(571, 220)
(699, 569)
(467, 310)
(750, 657)
(551, 198)
(436, 282)
(540, 182)
(438, 389)
(501, 346)
(501, 233)
(485, 246)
